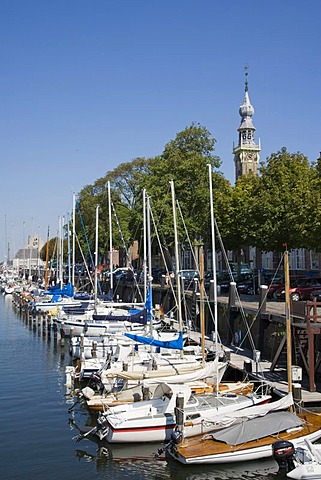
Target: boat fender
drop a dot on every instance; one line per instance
(283, 452)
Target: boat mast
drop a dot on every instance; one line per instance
(149, 255)
(111, 285)
(96, 257)
(144, 245)
(24, 252)
(30, 253)
(177, 267)
(68, 252)
(73, 238)
(288, 318)
(47, 259)
(213, 260)
(202, 297)
(62, 250)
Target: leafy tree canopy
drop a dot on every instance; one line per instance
(184, 160)
(283, 203)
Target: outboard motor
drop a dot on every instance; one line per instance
(283, 453)
(102, 426)
(95, 382)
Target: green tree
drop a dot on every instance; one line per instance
(238, 226)
(124, 183)
(184, 160)
(53, 250)
(284, 202)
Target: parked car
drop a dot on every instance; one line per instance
(249, 285)
(273, 282)
(316, 295)
(157, 273)
(208, 278)
(244, 267)
(301, 289)
(224, 279)
(188, 277)
(273, 288)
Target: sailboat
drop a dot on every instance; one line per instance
(253, 438)
(154, 420)
(54, 297)
(100, 317)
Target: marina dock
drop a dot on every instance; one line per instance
(239, 357)
(276, 376)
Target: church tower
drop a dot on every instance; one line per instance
(246, 153)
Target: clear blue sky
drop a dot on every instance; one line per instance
(88, 84)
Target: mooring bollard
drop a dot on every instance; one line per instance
(146, 393)
(297, 396)
(94, 350)
(248, 366)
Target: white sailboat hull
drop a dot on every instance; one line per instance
(244, 455)
(148, 424)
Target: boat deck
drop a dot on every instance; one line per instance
(205, 447)
(242, 359)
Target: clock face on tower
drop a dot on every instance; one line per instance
(250, 156)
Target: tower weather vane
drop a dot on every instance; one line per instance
(246, 68)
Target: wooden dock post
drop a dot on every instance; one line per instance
(94, 349)
(179, 415)
(232, 312)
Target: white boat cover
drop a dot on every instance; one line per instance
(260, 410)
(256, 428)
(254, 411)
(160, 374)
(209, 371)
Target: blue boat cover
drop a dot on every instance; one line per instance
(139, 317)
(176, 344)
(66, 291)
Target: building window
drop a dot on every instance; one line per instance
(252, 254)
(267, 260)
(297, 259)
(314, 260)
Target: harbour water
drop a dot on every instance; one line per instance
(38, 434)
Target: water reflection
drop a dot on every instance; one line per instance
(142, 462)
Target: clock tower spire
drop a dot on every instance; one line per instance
(246, 153)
